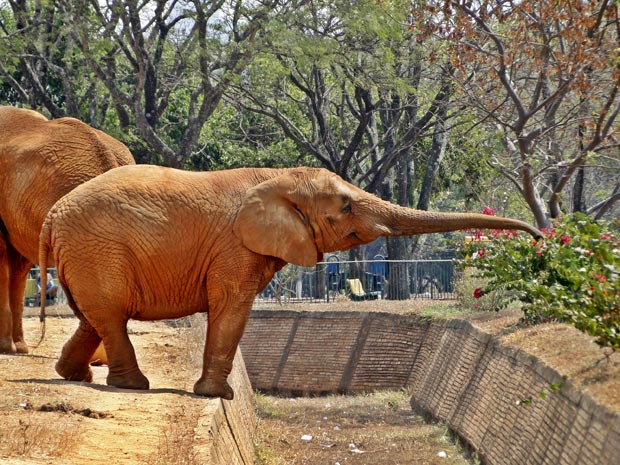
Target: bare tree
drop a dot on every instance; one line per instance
(546, 76)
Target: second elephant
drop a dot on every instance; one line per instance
(40, 161)
(150, 243)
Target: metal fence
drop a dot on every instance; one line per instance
(325, 282)
(363, 280)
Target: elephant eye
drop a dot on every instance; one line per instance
(346, 208)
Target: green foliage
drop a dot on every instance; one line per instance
(236, 139)
(571, 275)
(542, 395)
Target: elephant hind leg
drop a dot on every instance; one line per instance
(73, 363)
(122, 363)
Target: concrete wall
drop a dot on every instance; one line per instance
(456, 373)
(477, 385)
(321, 352)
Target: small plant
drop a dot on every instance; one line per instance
(266, 407)
(467, 290)
(571, 275)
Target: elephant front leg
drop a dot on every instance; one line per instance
(73, 363)
(18, 275)
(6, 320)
(224, 331)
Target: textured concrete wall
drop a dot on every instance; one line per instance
(456, 373)
(320, 352)
(477, 386)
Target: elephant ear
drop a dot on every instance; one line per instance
(270, 223)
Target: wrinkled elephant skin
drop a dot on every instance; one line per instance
(40, 161)
(151, 243)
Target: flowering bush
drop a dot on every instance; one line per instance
(571, 275)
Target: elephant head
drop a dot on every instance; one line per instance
(303, 213)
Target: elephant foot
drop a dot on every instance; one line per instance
(7, 346)
(21, 347)
(74, 372)
(210, 388)
(135, 380)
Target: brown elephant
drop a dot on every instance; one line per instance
(150, 243)
(40, 161)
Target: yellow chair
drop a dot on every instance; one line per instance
(357, 291)
(30, 294)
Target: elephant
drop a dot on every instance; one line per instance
(148, 243)
(40, 161)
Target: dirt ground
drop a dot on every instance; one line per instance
(373, 429)
(46, 420)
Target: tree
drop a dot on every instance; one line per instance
(39, 65)
(349, 86)
(544, 77)
(163, 65)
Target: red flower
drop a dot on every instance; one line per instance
(601, 277)
(488, 211)
(481, 253)
(564, 239)
(478, 292)
(549, 233)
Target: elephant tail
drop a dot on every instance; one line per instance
(44, 248)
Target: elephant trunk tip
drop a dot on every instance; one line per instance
(533, 231)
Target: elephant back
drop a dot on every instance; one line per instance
(102, 151)
(40, 161)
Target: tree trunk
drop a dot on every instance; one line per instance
(578, 200)
(438, 150)
(320, 282)
(399, 248)
(356, 268)
(398, 270)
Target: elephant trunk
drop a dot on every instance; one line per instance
(406, 221)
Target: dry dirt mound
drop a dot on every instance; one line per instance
(46, 420)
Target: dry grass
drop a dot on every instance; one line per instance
(381, 426)
(38, 434)
(401, 307)
(377, 428)
(176, 443)
(30, 423)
